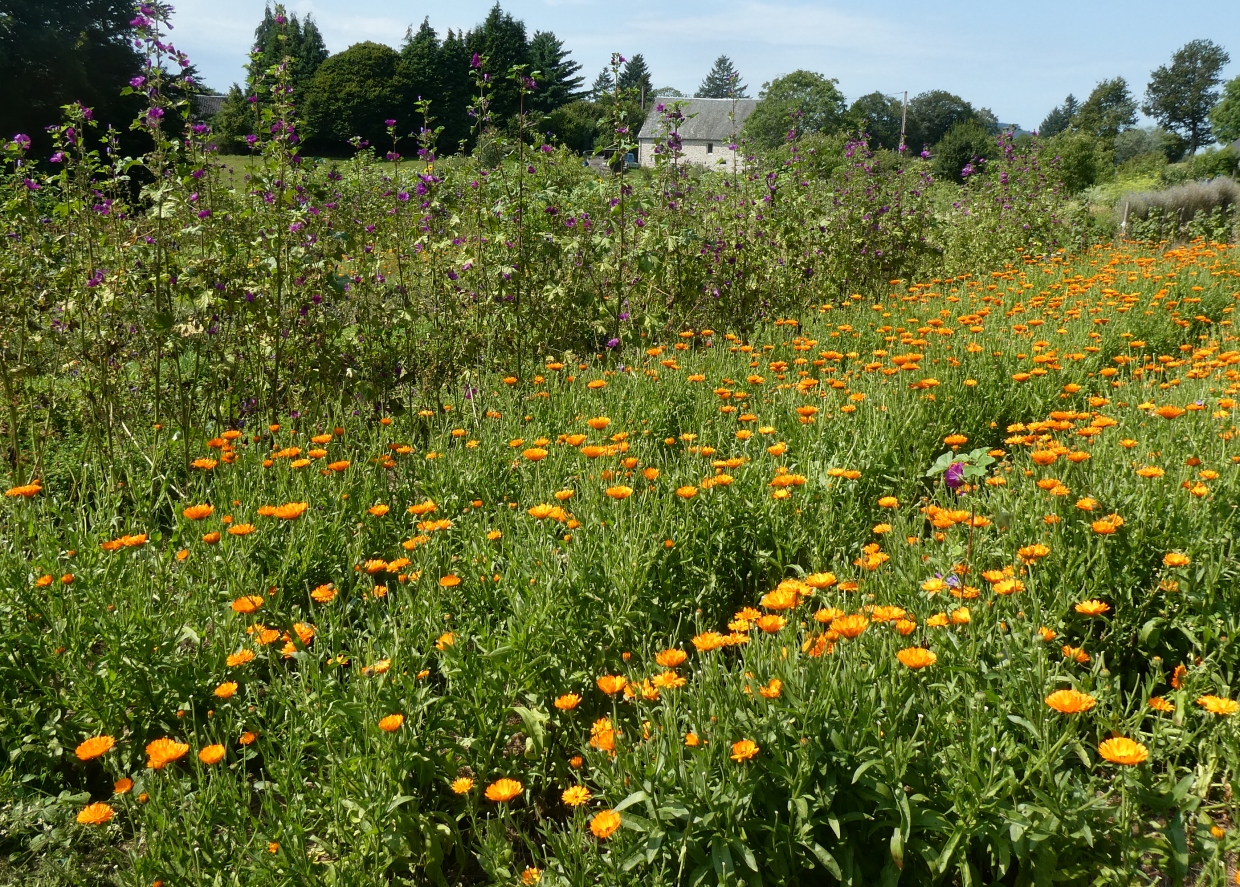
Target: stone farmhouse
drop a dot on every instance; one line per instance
(706, 134)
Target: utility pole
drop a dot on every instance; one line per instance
(903, 120)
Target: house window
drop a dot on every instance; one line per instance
(710, 147)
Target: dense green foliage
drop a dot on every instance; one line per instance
(800, 103)
(1225, 118)
(351, 95)
(52, 54)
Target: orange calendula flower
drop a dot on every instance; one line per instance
(198, 512)
(744, 750)
(241, 657)
(567, 702)
(211, 754)
(772, 690)
(391, 723)
(888, 502)
(324, 594)
(1177, 677)
(612, 684)
(1219, 705)
(576, 795)
(446, 640)
(1159, 704)
(850, 626)
(916, 657)
(619, 492)
(247, 604)
(1169, 412)
(240, 530)
(604, 824)
(1076, 654)
(771, 623)
(462, 784)
(1070, 702)
(379, 510)
(504, 790)
(1121, 750)
(1092, 608)
(450, 581)
(671, 658)
(1175, 559)
(535, 454)
(820, 580)
(708, 640)
(1031, 553)
(226, 690)
(25, 491)
(163, 752)
(291, 510)
(98, 813)
(95, 747)
(603, 735)
(686, 492)
(122, 786)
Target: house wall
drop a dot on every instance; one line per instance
(695, 151)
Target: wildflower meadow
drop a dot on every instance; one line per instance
(488, 520)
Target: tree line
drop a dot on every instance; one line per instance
(80, 50)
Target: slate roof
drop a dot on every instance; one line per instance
(207, 105)
(706, 119)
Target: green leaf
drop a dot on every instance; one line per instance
(827, 860)
(897, 848)
(632, 799)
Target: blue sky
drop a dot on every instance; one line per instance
(1019, 59)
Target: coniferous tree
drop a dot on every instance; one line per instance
(604, 85)
(1181, 95)
(1060, 118)
(723, 82)
(421, 75)
(501, 40)
(559, 80)
(302, 44)
(457, 92)
(635, 79)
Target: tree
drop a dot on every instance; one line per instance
(298, 41)
(575, 125)
(1132, 143)
(352, 94)
(1109, 110)
(559, 82)
(965, 144)
(457, 91)
(931, 114)
(501, 40)
(1225, 118)
(604, 85)
(635, 79)
(1181, 95)
(879, 116)
(1060, 118)
(723, 82)
(669, 92)
(235, 120)
(802, 102)
(1084, 159)
(52, 54)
